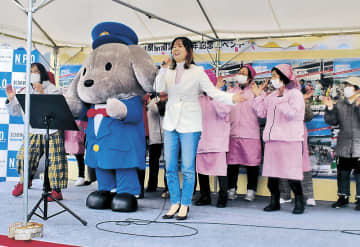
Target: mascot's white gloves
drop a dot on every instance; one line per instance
(116, 109)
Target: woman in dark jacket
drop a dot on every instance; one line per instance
(346, 114)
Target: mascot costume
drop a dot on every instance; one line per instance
(110, 86)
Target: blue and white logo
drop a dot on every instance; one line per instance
(11, 164)
(4, 129)
(15, 136)
(5, 79)
(20, 58)
(18, 80)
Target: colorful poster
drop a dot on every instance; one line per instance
(67, 74)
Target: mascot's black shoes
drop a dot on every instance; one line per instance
(124, 202)
(99, 199)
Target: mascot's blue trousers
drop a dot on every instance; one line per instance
(125, 180)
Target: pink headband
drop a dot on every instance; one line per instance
(287, 70)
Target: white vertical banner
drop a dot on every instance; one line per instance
(6, 65)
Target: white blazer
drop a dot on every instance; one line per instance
(183, 111)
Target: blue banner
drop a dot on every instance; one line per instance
(5, 79)
(19, 59)
(318, 127)
(11, 170)
(4, 131)
(346, 67)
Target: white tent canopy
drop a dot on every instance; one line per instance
(69, 22)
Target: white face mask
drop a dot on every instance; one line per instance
(242, 79)
(276, 83)
(35, 78)
(349, 91)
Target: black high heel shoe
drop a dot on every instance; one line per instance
(183, 217)
(170, 216)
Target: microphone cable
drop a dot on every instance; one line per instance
(193, 230)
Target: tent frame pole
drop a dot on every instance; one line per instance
(56, 53)
(153, 16)
(27, 110)
(207, 18)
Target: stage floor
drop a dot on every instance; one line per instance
(245, 224)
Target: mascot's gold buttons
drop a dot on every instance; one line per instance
(96, 148)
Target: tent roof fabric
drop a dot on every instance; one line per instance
(69, 22)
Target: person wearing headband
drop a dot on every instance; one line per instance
(283, 135)
(212, 148)
(245, 143)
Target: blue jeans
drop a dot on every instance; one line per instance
(188, 142)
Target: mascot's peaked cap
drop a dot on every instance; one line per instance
(113, 32)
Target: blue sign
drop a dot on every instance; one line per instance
(4, 131)
(346, 67)
(318, 127)
(19, 59)
(16, 120)
(11, 164)
(5, 79)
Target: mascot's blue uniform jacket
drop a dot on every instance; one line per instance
(119, 143)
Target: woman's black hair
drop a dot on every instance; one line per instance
(249, 73)
(189, 49)
(283, 78)
(250, 76)
(44, 76)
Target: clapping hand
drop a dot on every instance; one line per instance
(328, 102)
(308, 94)
(10, 93)
(237, 98)
(220, 82)
(257, 90)
(357, 100)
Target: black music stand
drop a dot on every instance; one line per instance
(49, 112)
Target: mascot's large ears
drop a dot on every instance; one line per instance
(143, 66)
(72, 96)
